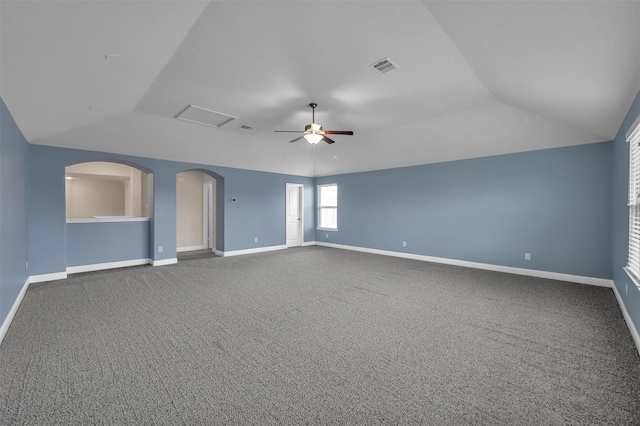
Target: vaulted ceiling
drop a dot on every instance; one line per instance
(474, 78)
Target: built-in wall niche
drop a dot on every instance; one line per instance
(100, 189)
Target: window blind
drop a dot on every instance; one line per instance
(633, 263)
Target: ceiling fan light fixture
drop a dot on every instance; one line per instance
(314, 133)
(313, 138)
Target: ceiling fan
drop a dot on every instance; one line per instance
(314, 133)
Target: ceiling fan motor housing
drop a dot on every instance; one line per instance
(313, 128)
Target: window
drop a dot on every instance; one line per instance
(633, 263)
(328, 206)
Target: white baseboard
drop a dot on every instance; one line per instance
(14, 308)
(164, 262)
(627, 319)
(249, 251)
(601, 282)
(190, 248)
(107, 265)
(47, 277)
(219, 253)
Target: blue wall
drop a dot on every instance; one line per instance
(554, 204)
(258, 212)
(620, 212)
(14, 153)
(103, 242)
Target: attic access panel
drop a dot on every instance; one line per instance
(195, 114)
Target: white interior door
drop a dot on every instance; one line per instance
(294, 215)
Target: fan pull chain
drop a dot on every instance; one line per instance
(313, 155)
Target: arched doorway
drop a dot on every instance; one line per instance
(196, 218)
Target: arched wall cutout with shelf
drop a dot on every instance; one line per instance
(109, 205)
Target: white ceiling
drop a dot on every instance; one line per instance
(476, 78)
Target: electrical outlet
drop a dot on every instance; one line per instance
(26, 266)
(404, 244)
(255, 240)
(527, 256)
(326, 235)
(626, 289)
(159, 249)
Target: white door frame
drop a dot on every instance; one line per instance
(208, 216)
(300, 209)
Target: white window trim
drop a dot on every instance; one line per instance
(633, 260)
(632, 276)
(324, 228)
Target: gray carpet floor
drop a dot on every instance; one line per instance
(196, 254)
(317, 336)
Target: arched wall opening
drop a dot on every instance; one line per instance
(105, 188)
(109, 205)
(199, 203)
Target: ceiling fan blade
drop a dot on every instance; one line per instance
(289, 131)
(327, 140)
(296, 139)
(338, 132)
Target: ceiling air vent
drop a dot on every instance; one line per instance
(384, 65)
(204, 116)
(246, 127)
